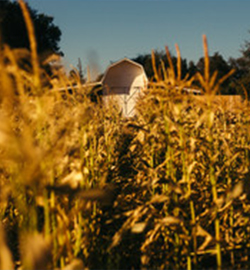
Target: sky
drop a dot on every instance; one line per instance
(103, 31)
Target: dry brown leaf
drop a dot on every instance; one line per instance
(76, 264)
(72, 180)
(5, 254)
(171, 220)
(236, 191)
(203, 233)
(36, 252)
(159, 198)
(138, 227)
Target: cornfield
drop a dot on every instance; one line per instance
(83, 188)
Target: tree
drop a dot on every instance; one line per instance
(192, 69)
(13, 29)
(241, 78)
(146, 61)
(79, 67)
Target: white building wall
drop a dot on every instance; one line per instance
(123, 81)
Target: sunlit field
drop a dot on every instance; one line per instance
(82, 187)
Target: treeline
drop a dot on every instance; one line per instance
(14, 33)
(238, 83)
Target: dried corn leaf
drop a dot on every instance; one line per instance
(159, 198)
(36, 252)
(5, 254)
(139, 227)
(76, 264)
(203, 233)
(171, 220)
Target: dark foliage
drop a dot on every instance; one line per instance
(14, 32)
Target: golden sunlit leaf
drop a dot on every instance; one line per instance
(5, 254)
(203, 233)
(76, 264)
(36, 252)
(138, 227)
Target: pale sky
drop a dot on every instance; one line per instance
(101, 31)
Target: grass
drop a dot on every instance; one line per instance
(82, 187)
